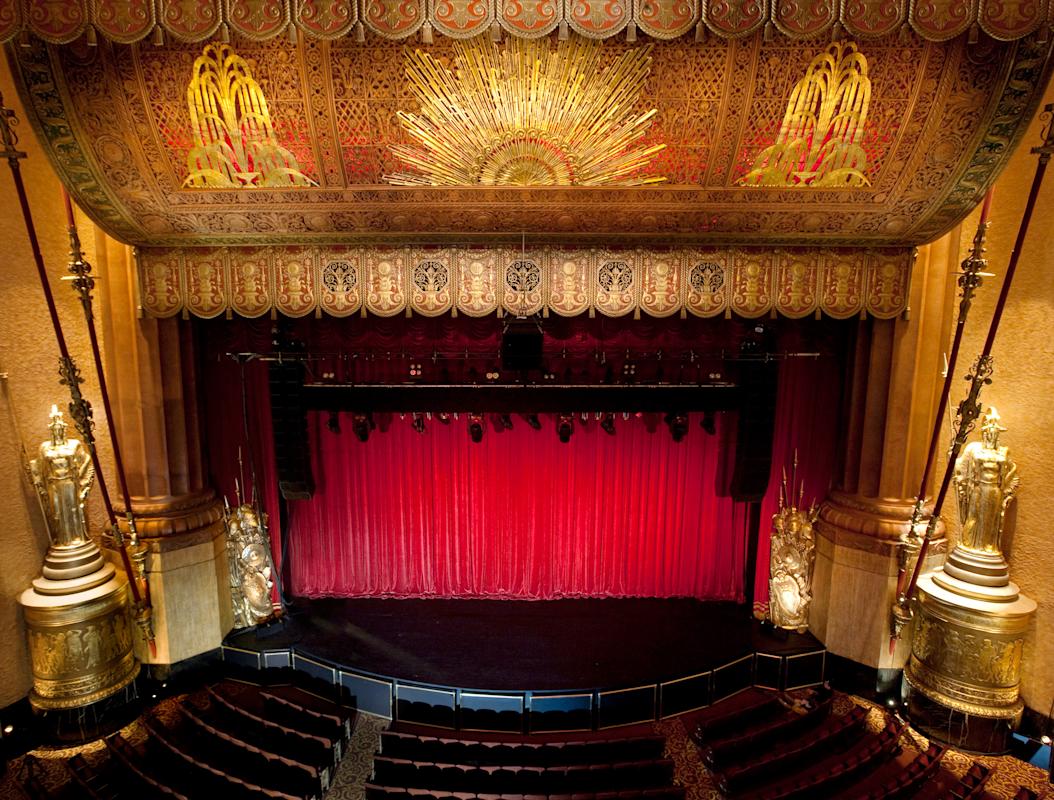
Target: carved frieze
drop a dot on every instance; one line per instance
(430, 281)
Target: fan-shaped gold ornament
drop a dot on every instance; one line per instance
(819, 141)
(527, 114)
(234, 141)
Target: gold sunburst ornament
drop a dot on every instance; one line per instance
(234, 142)
(819, 141)
(527, 115)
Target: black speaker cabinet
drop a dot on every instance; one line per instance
(521, 345)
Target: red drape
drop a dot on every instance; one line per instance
(807, 419)
(518, 515)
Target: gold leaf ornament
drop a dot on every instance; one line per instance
(526, 114)
(819, 141)
(234, 141)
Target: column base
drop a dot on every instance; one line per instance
(858, 544)
(962, 729)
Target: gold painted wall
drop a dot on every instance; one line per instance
(1023, 380)
(29, 357)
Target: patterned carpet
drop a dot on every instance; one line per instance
(354, 770)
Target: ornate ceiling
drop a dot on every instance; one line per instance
(942, 120)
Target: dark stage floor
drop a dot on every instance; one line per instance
(524, 645)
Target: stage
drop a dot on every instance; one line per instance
(531, 665)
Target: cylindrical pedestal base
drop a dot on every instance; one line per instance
(80, 643)
(961, 681)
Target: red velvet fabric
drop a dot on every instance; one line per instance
(518, 515)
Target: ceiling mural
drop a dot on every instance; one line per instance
(886, 141)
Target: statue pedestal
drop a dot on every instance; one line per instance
(962, 678)
(80, 639)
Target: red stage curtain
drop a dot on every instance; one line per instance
(226, 442)
(807, 419)
(519, 515)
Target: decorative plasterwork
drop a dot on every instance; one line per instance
(942, 121)
(340, 281)
(60, 21)
(526, 114)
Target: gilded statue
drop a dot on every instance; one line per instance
(986, 481)
(791, 558)
(251, 569)
(63, 476)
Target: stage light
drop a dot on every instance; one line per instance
(443, 417)
(607, 424)
(708, 423)
(419, 422)
(565, 427)
(9, 729)
(415, 370)
(362, 424)
(533, 421)
(678, 425)
(475, 427)
(506, 421)
(333, 423)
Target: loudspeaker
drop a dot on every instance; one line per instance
(521, 345)
(289, 426)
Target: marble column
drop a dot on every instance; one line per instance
(151, 373)
(891, 393)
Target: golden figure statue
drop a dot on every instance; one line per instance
(791, 558)
(971, 619)
(251, 569)
(986, 481)
(76, 612)
(63, 475)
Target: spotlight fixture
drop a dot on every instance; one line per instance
(678, 425)
(506, 421)
(475, 427)
(443, 417)
(533, 421)
(333, 423)
(415, 370)
(362, 424)
(607, 424)
(419, 422)
(708, 423)
(565, 427)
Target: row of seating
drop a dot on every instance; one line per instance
(971, 785)
(526, 779)
(224, 774)
(832, 735)
(305, 747)
(543, 754)
(832, 776)
(721, 753)
(905, 782)
(305, 775)
(374, 792)
(754, 710)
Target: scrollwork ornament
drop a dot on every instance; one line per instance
(80, 409)
(970, 407)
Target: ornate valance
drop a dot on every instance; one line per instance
(125, 21)
(341, 281)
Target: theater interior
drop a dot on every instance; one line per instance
(503, 400)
